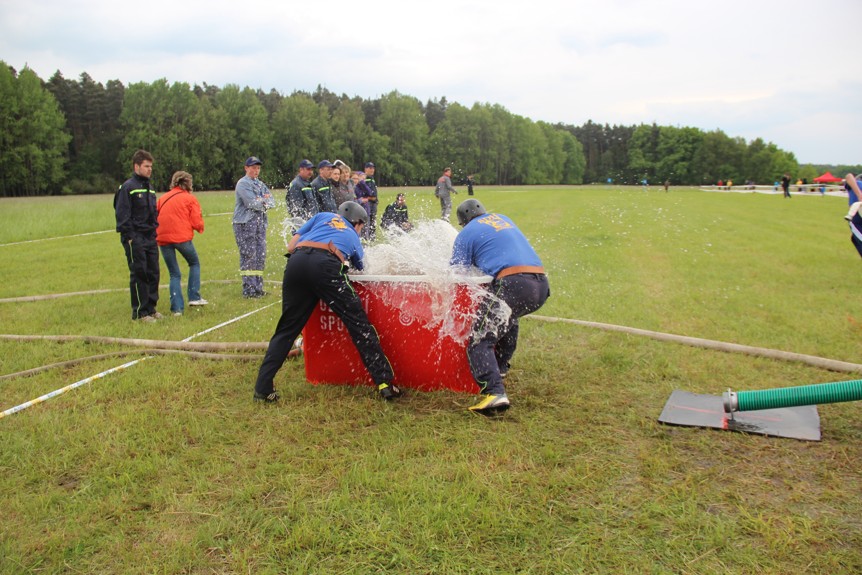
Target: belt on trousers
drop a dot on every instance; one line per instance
(512, 270)
(329, 247)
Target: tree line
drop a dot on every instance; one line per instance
(64, 136)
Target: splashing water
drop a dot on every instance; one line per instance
(411, 274)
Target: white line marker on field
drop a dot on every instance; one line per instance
(71, 386)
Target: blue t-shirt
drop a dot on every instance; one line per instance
(493, 243)
(327, 227)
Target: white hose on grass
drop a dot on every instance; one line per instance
(821, 362)
(72, 386)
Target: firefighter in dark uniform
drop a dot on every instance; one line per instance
(137, 220)
(319, 256)
(396, 215)
(492, 243)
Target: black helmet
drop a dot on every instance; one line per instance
(468, 210)
(353, 212)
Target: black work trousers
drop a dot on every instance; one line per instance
(142, 255)
(313, 275)
(493, 343)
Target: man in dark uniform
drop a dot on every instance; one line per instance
(492, 243)
(300, 197)
(372, 200)
(137, 220)
(396, 215)
(320, 253)
(322, 189)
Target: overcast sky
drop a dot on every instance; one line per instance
(786, 71)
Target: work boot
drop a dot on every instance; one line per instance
(491, 404)
(388, 391)
(266, 398)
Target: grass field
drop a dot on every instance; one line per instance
(168, 466)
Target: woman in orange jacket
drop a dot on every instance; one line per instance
(179, 217)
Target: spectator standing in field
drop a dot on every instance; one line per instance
(340, 184)
(666, 185)
(137, 220)
(179, 217)
(371, 199)
(470, 182)
(320, 252)
(785, 184)
(253, 199)
(322, 188)
(395, 215)
(364, 195)
(444, 191)
(355, 178)
(301, 202)
(347, 178)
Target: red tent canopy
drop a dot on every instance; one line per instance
(827, 178)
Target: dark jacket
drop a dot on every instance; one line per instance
(135, 209)
(323, 194)
(394, 215)
(301, 202)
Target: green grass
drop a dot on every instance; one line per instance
(168, 467)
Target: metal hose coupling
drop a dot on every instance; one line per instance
(730, 401)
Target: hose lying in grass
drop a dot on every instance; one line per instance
(72, 362)
(44, 297)
(821, 362)
(151, 343)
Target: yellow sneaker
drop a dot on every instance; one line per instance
(491, 404)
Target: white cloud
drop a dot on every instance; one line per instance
(770, 69)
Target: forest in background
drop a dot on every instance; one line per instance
(64, 136)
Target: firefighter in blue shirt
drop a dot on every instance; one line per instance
(492, 243)
(320, 253)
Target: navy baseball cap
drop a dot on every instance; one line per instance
(324, 164)
(370, 165)
(306, 164)
(253, 161)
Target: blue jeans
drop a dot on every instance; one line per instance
(187, 250)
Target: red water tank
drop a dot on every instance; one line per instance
(426, 352)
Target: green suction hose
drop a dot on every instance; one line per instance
(793, 396)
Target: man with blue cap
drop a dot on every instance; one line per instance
(301, 202)
(253, 199)
(321, 188)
